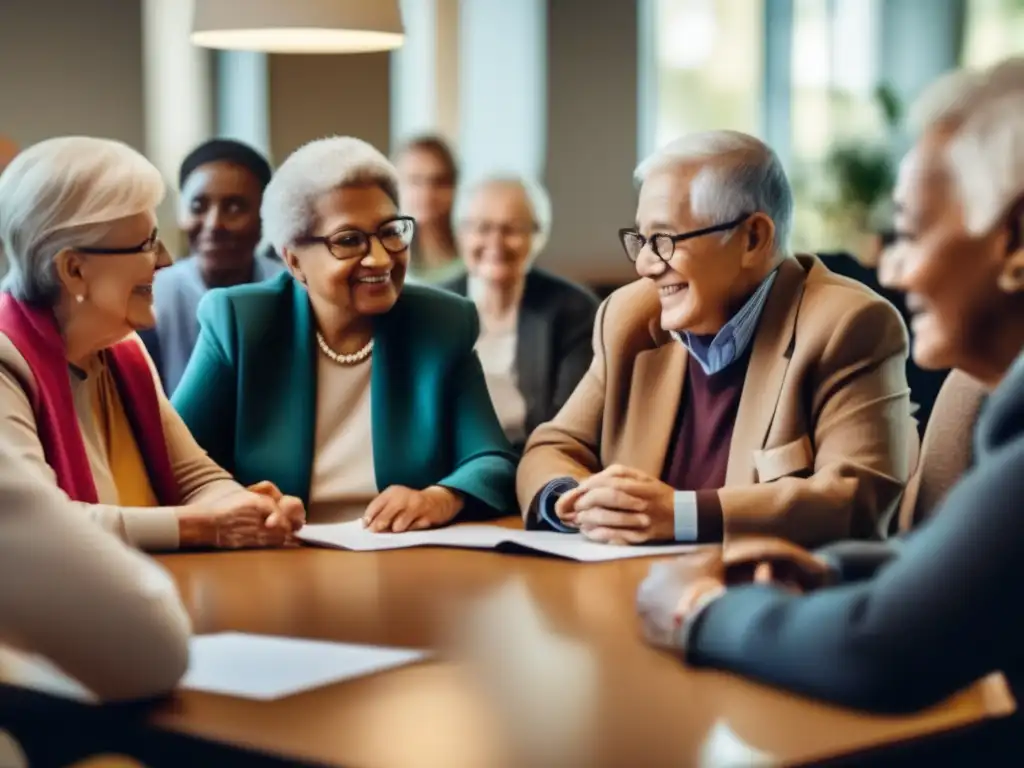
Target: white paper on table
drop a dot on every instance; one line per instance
(571, 546)
(264, 667)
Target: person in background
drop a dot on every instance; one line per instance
(920, 617)
(336, 381)
(427, 177)
(105, 614)
(221, 183)
(736, 389)
(536, 328)
(80, 402)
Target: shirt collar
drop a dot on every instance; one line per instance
(732, 341)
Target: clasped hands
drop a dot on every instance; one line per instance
(257, 516)
(620, 505)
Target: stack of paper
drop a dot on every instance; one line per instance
(572, 546)
(265, 667)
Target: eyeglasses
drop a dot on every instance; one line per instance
(394, 235)
(149, 245)
(665, 245)
(509, 230)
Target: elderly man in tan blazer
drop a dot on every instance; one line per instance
(735, 389)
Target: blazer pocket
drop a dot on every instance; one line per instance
(795, 458)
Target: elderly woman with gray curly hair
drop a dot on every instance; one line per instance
(80, 404)
(358, 394)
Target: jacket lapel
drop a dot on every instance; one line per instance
(655, 393)
(769, 361)
(298, 403)
(533, 357)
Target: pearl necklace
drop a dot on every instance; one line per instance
(353, 359)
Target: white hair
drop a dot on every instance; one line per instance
(984, 111)
(66, 193)
(312, 171)
(537, 198)
(740, 175)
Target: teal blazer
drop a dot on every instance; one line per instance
(249, 393)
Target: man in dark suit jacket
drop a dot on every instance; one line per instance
(916, 619)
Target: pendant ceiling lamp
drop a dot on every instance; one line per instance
(298, 26)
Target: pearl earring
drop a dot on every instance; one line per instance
(79, 298)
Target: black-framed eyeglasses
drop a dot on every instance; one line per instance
(664, 245)
(394, 235)
(149, 245)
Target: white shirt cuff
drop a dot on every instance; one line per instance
(684, 507)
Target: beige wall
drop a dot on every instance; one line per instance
(592, 136)
(313, 96)
(71, 67)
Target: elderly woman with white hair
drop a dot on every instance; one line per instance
(920, 618)
(536, 327)
(80, 404)
(358, 394)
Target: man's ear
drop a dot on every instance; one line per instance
(292, 262)
(71, 267)
(760, 239)
(1011, 276)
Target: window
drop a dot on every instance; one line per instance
(994, 30)
(834, 77)
(708, 66)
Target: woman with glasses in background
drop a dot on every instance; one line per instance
(81, 407)
(537, 328)
(361, 397)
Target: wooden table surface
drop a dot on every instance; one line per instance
(538, 662)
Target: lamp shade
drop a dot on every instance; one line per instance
(298, 26)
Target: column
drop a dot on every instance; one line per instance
(178, 98)
(243, 98)
(503, 49)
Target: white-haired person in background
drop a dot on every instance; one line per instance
(736, 389)
(536, 328)
(80, 404)
(919, 618)
(358, 394)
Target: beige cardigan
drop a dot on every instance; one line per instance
(149, 528)
(105, 614)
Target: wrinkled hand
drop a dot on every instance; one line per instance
(673, 590)
(621, 505)
(240, 520)
(768, 560)
(290, 510)
(398, 509)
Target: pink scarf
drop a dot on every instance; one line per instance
(34, 332)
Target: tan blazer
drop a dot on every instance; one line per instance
(946, 451)
(822, 442)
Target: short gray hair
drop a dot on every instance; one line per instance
(742, 175)
(66, 193)
(985, 112)
(312, 171)
(537, 198)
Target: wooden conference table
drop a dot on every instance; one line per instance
(539, 663)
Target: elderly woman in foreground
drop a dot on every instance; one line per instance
(537, 328)
(355, 394)
(917, 621)
(79, 398)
